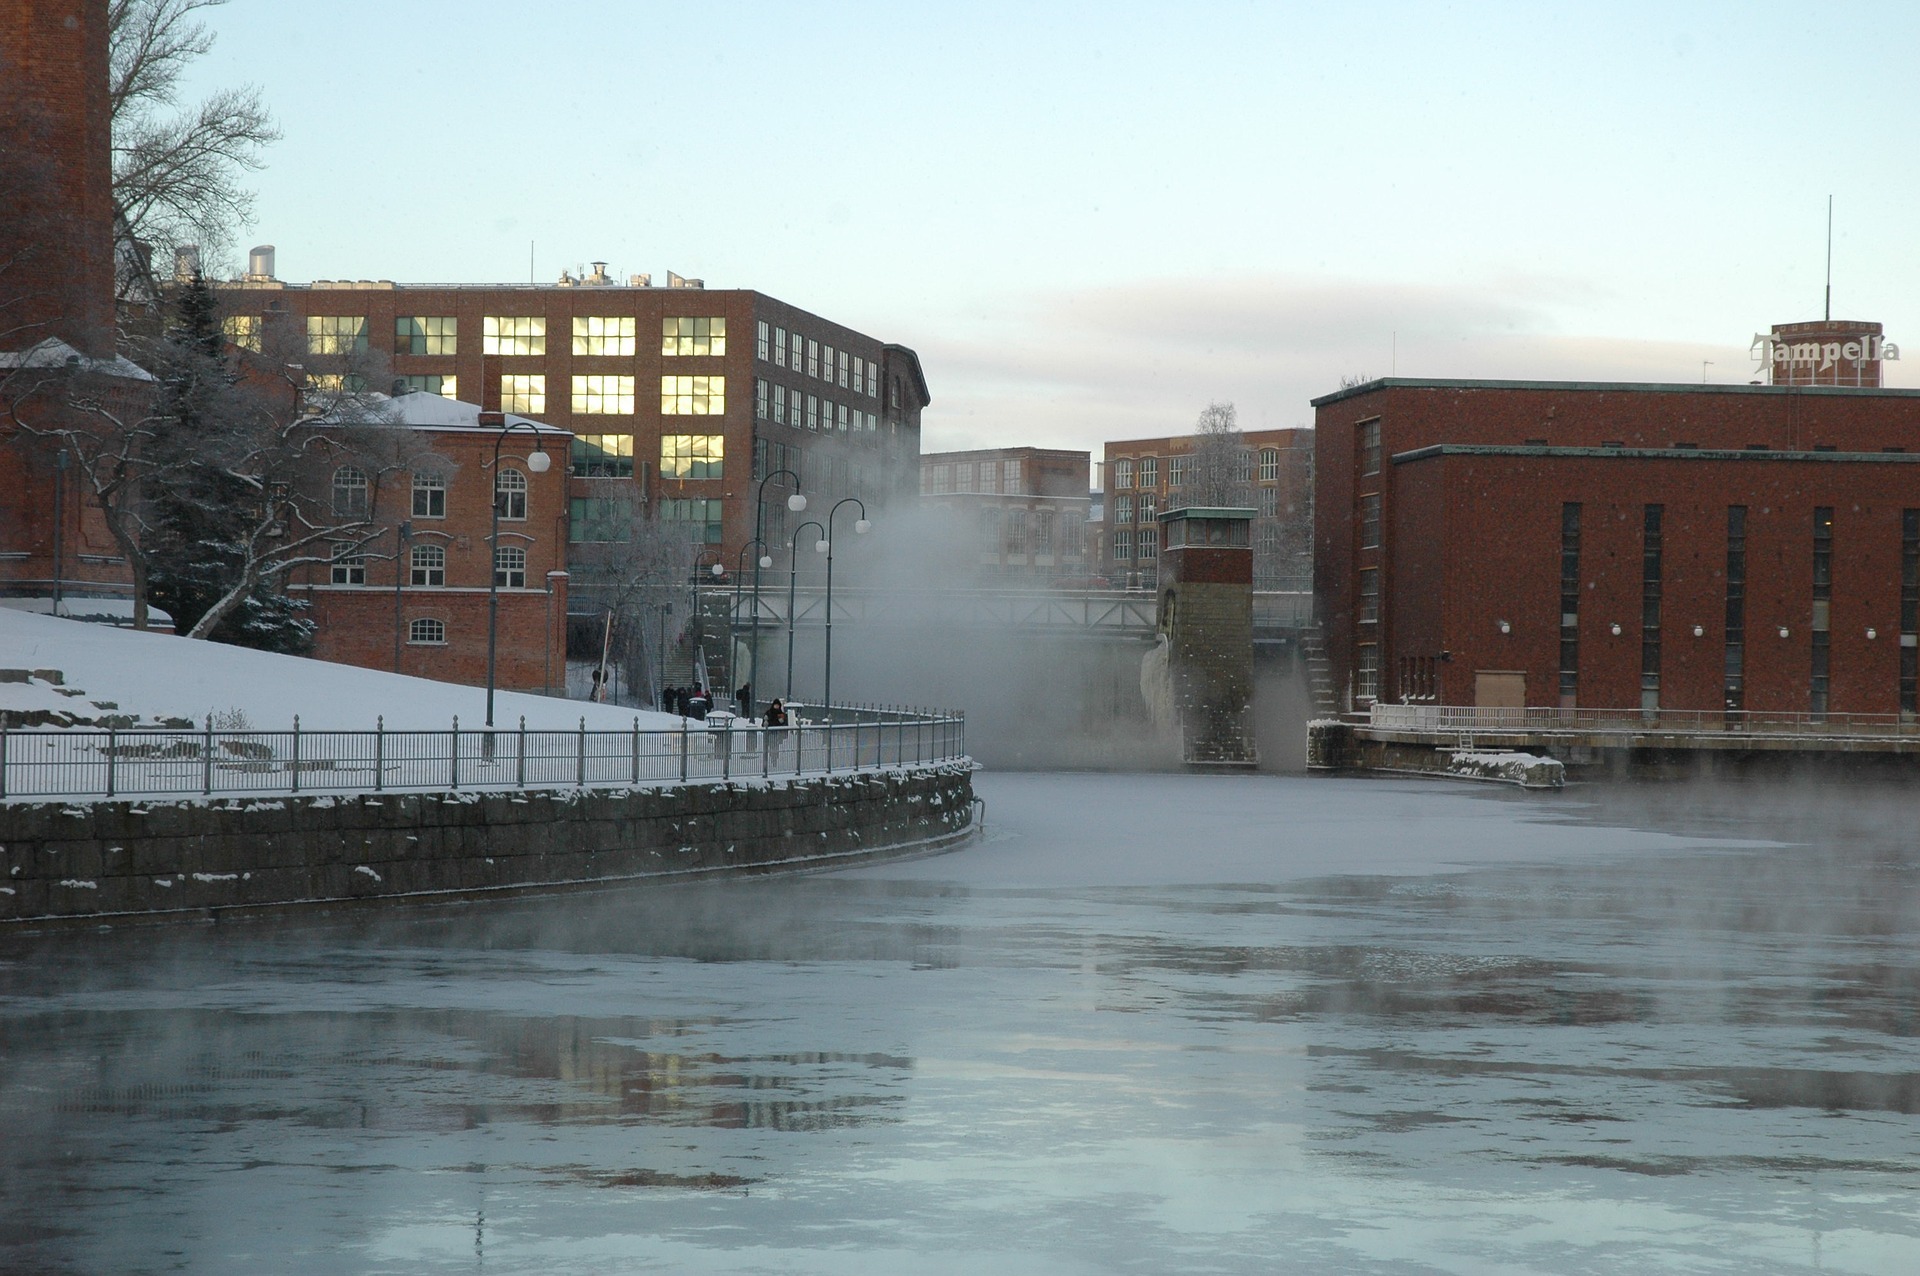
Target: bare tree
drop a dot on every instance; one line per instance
(177, 168)
(640, 578)
(1220, 468)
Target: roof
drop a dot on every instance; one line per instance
(421, 410)
(1605, 387)
(53, 353)
(1208, 511)
(1652, 454)
(913, 364)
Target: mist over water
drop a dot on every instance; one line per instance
(1150, 1023)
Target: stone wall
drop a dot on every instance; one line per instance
(74, 860)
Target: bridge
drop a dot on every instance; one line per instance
(1278, 616)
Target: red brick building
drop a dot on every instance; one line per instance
(679, 398)
(415, 599)
(1025, 507)
(1145, 476)
(1620, 546)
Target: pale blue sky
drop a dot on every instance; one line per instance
(1091, 219)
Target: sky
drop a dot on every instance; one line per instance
(1092, 220)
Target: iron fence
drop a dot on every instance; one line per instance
(55, 762)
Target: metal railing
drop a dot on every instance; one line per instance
(56, 762)
(1439, 718)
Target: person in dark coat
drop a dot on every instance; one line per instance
(776, 731)
(744, 698)
(698, 702)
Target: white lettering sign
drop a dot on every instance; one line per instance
(1769, 348)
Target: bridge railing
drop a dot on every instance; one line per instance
(1124, 610)
(1441, 719)
(55, 762)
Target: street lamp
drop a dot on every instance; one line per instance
(402, 533)
(539, 462)
(861, 527)
(733, 616)
(796, 503)
(793, 576)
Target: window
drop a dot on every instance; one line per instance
(1269, 464)
(429, 565)
(1367, 439)
(350, 492)
(779, 347)
(1149, 544)
(963, 477)
(780, 405)
(510, 567)
(513, 334)
(826, 363)
(598, 519)
(1736, 637)
(685, 336)
(692, 456)
(429, 496)
(603, 396)
(693, 396)
(1369, 595)
(859, 373)
(1652, 518)
(841, 416)
(1269, 502)
(760, 341)
(525, 394)
(243, 331)
(510, 494)
(845, 358)
(446, 385)
(336, 334)
(426, 334)
(702, 514)
(873, 380)
(1149, 471)
(427, 633)
(1122, 509)
(1370, 522)
(762, 399)
(1122, 473)
(1123, 547)
(1147, 507)
(813, 412)
(813, 357)
(349, 565)
(1042, 540)
(1016, 533)
(1010, 476)
(603, 335)
(1177, 470)
(793, 360)
(602, 455)
(335, 383)
(1366, 680)
(1909, 613)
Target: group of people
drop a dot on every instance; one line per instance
(689, 702)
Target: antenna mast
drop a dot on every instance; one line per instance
(1829, 259)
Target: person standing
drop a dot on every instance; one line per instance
(744, 698)
(776, 731)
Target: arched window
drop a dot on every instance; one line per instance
(510, 493)
(510, 567)
(349, 492)
(431, 633)
(429, 565)
(1269, 464)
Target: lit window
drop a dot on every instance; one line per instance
(685, 336)
(762, 400)
(603, 396)
(426, 334)
(702, 513)
(594, 519)
(844, 360)
(813, 358)
(510, 494)
(513, 334)
(1122, 474)
(603, 456)
(780, 405)
(691, 456)
(1123, 509)
(510, 567)
(243, 331)
(1149, 471)
(603, 334)
(429, 496)
(760, 341)
(349, 565)
(779, 347)
(429, 565)
(524, 393)
(427, 633)
(446, 386)
(1269, 464)
(693, 396)
(336, 334)
(335, 382)
(349, 492)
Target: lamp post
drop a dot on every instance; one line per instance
(739, 575)
(860, 527)
(402, 533)
(59, 524)
(796, 503)
(538, 463)
(793, 577)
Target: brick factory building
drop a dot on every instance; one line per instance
(679, 398)
(1620, 546)
(414, 597)
(1145, 476)
(1025, 509)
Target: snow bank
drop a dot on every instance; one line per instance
(155, 676)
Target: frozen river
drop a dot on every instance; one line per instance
(1149, 1024)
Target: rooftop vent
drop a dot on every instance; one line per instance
(186, 262)
(679, 281)
(260, 263)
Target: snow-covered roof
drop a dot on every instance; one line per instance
(423, 410)
(55, 353)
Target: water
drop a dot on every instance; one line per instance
(1149, 1024)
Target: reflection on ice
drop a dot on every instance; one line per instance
(1165, 1024)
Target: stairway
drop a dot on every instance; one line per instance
(1323, 703)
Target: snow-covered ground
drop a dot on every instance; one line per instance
(161, 676)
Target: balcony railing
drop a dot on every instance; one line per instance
(56, 763)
